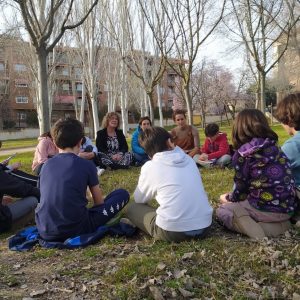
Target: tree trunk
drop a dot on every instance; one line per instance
(188, 102)
(94, 105)
(161, 118)
(43, 108)
(150, 105)
(263, 91)
(81, 117)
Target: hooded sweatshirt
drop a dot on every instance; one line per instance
(44, 150)
(135, 145)
(217, 148)
(263, 176)
(173, 178)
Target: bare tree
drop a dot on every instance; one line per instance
(260, 24)
(40, 17)
(192, 22)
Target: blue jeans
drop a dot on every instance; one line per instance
(22, 207)
(113, 204)
(141, 158)
(223, 160)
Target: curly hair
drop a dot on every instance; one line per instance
(108, 116)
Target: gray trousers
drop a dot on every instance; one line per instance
(22, 207)
(144, 217)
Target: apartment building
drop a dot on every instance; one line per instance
(18, 88)
(287, 71)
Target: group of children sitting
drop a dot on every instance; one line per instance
(262, 201)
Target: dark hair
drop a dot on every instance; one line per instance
(288, 111)
(46, 134)
(143, 119)
(249, 124)
(178, 112)
(67, 133)
(211, 129)
(108, 116)
(154, 140)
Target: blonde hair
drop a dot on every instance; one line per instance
(108, 116)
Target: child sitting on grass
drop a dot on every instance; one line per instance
(215, 149)
(171, 176)
(263, 199)
(19, 211)
(62, 212)
(288, 113)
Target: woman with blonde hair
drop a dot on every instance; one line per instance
(112, 145)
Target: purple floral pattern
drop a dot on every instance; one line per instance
(263, 177)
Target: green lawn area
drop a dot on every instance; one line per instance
(11, 144)
(222, 266)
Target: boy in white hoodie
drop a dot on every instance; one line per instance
(173, 178)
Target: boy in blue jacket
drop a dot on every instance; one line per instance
(62, 212)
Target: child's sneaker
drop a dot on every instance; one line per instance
(127, 221)
(100, 171)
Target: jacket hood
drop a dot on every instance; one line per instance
(255, 145)
(221, 136)
(176, 157)
(40, 138)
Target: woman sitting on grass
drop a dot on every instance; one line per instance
(44, 150)
(139, 153)
(263, 199)
(183, 135)
(112, 145)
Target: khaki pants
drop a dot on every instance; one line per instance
(144, 217)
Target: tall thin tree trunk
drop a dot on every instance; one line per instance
(44, 121)
(81, 117)
(263, 91)
(187, 97)
(161, 118)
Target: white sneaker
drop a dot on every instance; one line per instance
(100, 171)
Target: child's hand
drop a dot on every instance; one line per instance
(15, 166)
(223, 198)
(203, 157)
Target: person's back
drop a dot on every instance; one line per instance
(173, 179)
(288, 113)
(183, 203)
(62, 212)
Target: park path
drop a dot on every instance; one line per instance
(16, 150)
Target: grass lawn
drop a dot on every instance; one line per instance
(11, 144)
(222, 266)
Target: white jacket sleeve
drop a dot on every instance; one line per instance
(145, 189)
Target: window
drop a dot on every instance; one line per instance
(22, 116)
(1, 66)
(170, 103)
(21, 85)
(21, 99)
(79, 87)
(20, 68)
(65, 72)
(78, 72)
(171, 90)
(66, 87)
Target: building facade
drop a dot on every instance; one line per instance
(18, 85)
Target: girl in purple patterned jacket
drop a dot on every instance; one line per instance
(263, 198)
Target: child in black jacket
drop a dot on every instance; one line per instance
(11, 211)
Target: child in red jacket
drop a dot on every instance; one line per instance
(215, 149)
